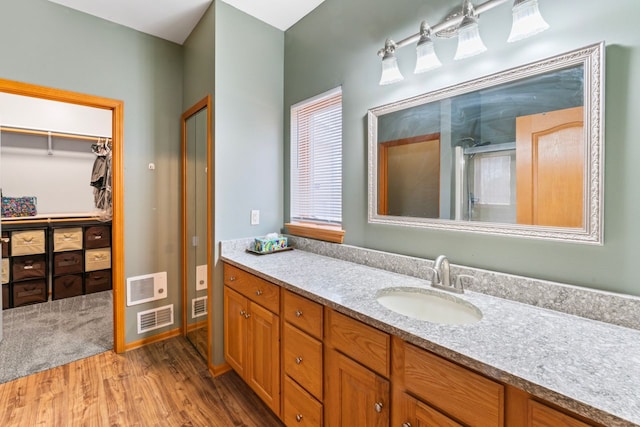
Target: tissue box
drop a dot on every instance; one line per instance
(269, 245)
(18, 207)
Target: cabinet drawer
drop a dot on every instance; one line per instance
(303, 359)
(29, 292)
(256, 289)
(459, 392)
(67, 263)
(27, 242)
(543, 416)
(98, 236)
(6, 297)
(28, 267)
(300, 409)
(67, 286)
(5, 244)
(97, 259)
(303, 313)
(67, 239)
(5, 270)
(97, 281)
(361, 342)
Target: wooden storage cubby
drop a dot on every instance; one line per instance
(54, 259)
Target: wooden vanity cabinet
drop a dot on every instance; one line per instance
(411, 412)
(357, 359)
(252, 333)
(302, 361)
(455, 392)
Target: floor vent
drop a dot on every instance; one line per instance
(146, 288)
(155, 318)
(198, 307)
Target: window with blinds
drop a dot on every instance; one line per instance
(316, 159)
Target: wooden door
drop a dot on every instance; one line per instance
(235, 330)
(356, 396)
(417, 414)
(550, 157)
(263, 354)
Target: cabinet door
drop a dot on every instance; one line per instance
(235, 330)
(543, 416)
(413, 413)
(356, 396)
(263, 355)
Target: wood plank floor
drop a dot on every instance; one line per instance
(162, 384)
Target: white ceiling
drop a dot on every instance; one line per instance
(175, 19)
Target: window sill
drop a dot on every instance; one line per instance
(326, 233)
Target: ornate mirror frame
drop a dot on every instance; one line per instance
(592, 59)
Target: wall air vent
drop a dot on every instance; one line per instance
(198, 307)
(146, 288)
(156, 318)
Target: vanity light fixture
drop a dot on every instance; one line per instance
(527, 20)
(426, 58)
(463, 23)
(469, 41)
(390, 71)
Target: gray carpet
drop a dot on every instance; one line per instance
(42, 336)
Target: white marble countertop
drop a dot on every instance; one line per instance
(588, 367)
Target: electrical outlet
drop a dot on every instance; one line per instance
(255, 217)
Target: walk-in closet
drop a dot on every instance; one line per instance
(55, 178)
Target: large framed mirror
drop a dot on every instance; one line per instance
(516, 153)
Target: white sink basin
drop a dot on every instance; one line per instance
(432, 306)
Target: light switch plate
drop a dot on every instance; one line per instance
(255, 217)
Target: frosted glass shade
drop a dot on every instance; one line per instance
(426, 58)
(469, 41)
(527, 21)
(390, 71)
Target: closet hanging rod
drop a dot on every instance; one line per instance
(55, 134)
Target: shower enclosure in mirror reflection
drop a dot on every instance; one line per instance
(517, 153)
(196, 246)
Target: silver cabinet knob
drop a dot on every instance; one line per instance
(247, 315)
(298, 313)
(407, 424)
(378, 406)
(298, 360)
(259, 292)
(299, 418)
(243, 313)
(232, 278)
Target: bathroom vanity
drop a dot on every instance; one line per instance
(330, 354)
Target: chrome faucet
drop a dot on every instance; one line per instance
(442, 276)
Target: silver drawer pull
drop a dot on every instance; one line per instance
(259, 292)
(298, 360)
(378, 407)
(298, 313)
(299, 417)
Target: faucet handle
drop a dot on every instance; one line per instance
(435, 278)
(461, 279)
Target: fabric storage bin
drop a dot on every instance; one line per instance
(27, 242)
(5, 244)
(28, 267)
(97, 259)
(67, 239)
(67, 262)
(6, 297)
(97, 281)
(29, 292)
(98, 236)
(67, 286)
(5, 270)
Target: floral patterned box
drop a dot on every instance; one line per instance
(18, 206)
(270, 245)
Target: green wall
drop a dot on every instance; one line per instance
(239, 60)
(51, 45)
(337, 44)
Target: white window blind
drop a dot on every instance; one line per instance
(316, 159)
(492, 183)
